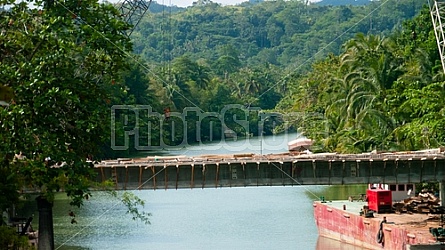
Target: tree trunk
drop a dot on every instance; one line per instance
(46, 230)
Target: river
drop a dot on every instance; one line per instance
(272, 144)
(224, 218)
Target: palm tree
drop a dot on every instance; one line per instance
(202, 76)
(369, 68)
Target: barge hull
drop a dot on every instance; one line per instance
(341, 221)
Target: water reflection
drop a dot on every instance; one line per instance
(324, 243)
(229, 218)
(341, 192)
(272, 144)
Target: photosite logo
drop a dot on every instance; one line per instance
(235, 128)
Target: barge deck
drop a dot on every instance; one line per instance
(341, 220)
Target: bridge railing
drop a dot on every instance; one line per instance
(272, 170)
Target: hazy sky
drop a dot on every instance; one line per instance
(184, 3)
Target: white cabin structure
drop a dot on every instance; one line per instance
(399, 191)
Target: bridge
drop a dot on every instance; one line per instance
(244, 170)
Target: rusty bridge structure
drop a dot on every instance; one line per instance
(246, 170)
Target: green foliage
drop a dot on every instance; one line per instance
(9, 186)
(63, 67)
(428, 186)
(380, 93)
(59, 62)
(279, 32)
(134, 205)
(208, 56)
(10, 240)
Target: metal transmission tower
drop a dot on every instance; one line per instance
(132, 12)
(437, 11)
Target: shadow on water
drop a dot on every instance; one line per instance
(27, 207)
(324, 243)
(337, 192)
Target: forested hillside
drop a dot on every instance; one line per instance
(282, 33)
(380, 93)
(354, 78)
(349, 73)
(344, 2)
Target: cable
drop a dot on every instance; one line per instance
(281, 81)
(132, 57)
(106, 211)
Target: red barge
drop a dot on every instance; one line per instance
(344, 221)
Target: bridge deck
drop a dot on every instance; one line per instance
(274, 169)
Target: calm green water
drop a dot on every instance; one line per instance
(228, 218)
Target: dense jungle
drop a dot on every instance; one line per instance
(76, 86)
(353, 77)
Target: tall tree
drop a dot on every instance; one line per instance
(62, 64)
